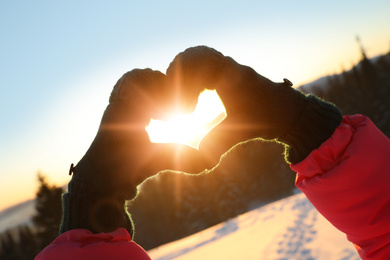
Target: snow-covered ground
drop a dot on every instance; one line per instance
(287, 229)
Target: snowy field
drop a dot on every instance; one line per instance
(287, 229)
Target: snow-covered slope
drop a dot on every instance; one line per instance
(19, 214)
(287, 229)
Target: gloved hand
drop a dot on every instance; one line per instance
(122, 156)
(255, 106)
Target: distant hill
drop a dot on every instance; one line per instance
(17, 215)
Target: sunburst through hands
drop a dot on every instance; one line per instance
(189, 129)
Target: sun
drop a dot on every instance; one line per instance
(189, 129)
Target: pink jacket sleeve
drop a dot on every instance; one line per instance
(348, 180)
(80, 244)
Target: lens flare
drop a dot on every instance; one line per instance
(189, 129)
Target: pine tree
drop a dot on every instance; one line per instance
(8, 246)
(48, 211)
(28, 245)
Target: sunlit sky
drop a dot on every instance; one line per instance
(60, 59)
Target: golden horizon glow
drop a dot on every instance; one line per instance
(189, 129)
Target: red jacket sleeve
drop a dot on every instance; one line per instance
(348, 180)
(80, 244)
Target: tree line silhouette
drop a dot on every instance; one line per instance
(173, 205)
(26, 241)
(364, 89)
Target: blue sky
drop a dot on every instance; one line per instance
(59, 61)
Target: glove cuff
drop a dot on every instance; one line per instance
(83, 210)
(316, 124)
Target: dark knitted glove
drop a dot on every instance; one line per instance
(122, 156)
(255, 106)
